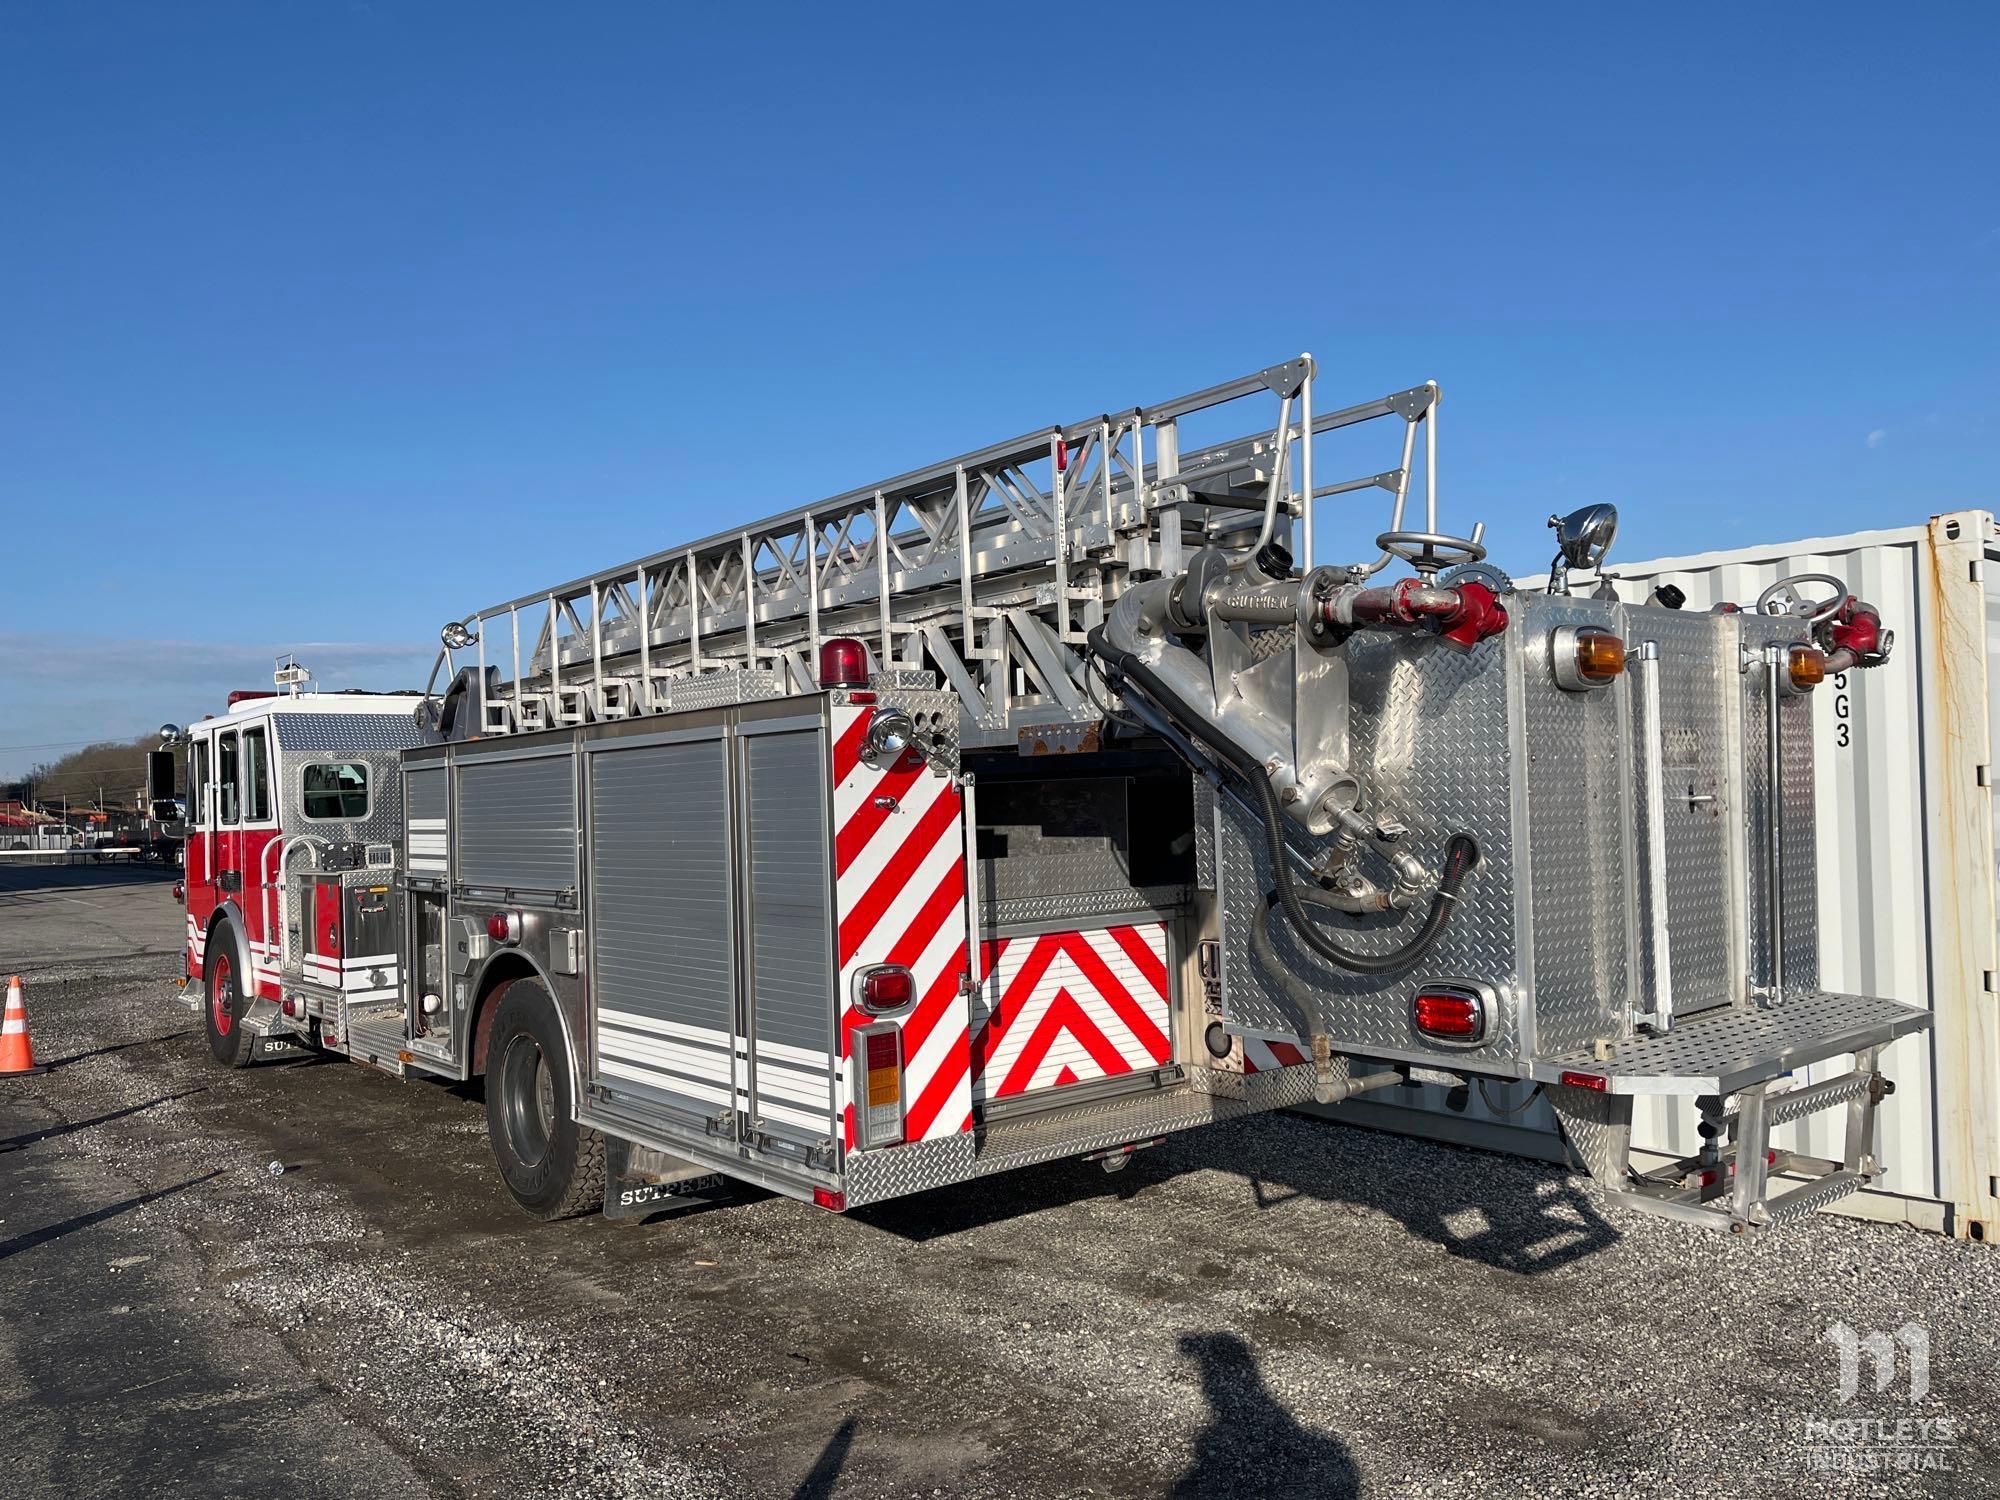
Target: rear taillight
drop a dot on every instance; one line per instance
(1597, 1083)
(504, 927)
(829, 1199)
(876, 1054)
(843, 662)
(885, 988)
(1449, 1015)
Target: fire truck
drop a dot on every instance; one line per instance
(1050, 799)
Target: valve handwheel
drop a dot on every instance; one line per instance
(1427, 551)
(1788, 597)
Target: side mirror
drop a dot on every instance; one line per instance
(160, 772)
(165, 807)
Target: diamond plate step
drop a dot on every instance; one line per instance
(1721, 1051)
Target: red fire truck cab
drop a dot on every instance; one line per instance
(288, 797)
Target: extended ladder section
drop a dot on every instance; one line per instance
(986, 571)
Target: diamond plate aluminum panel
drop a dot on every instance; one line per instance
(872, 1176)
(1579, 801)
(1204, 834)
(1801, 893)
(935, 712)
(343, 734)
(384, 822)
(1598, 1127)
(1727, 1049)
(1429, 739)
(721, 689)
(1073, 1131)
(1813, 1196)
(1141, 903)
(1697, 672)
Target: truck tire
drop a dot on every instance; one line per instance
(553, 1166)
(228, 1042)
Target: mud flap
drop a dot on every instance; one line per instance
(640, 1182)
(269, 1048)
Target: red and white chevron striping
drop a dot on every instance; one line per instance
(1261, 1056)
(899, 884)
(1067, 1007)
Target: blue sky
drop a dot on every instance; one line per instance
(324, 323)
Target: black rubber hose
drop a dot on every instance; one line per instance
(1460, 855)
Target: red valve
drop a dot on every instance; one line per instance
(1856, 627)
(1479, 614)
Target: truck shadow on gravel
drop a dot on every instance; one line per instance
(1523, 1217)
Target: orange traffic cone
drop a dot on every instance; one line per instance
(17, 1053)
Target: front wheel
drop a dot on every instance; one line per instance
(227, 1040)
(553, 1166)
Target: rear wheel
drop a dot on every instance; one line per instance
(553, 1166)
(227, 1040)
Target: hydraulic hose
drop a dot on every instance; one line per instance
(1460, 855)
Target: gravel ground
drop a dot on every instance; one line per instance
(1278, 1306)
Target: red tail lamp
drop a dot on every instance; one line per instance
(504, 927)
(885, 988)
(1449, 1015)
(843, 662)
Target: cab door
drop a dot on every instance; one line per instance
(198, 850)
(256, 854)
(226, 844)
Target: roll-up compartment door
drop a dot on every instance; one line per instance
(424, 806)
(790, 933)
(663, 927)
(516, 823)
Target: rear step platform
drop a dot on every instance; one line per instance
(1734, 1064)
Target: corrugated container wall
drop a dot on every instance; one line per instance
(1907, 863)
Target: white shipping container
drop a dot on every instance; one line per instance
(1907, 864)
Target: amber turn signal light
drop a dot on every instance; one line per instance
(1807, 668)
(1600, 656)
(1585, 657)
